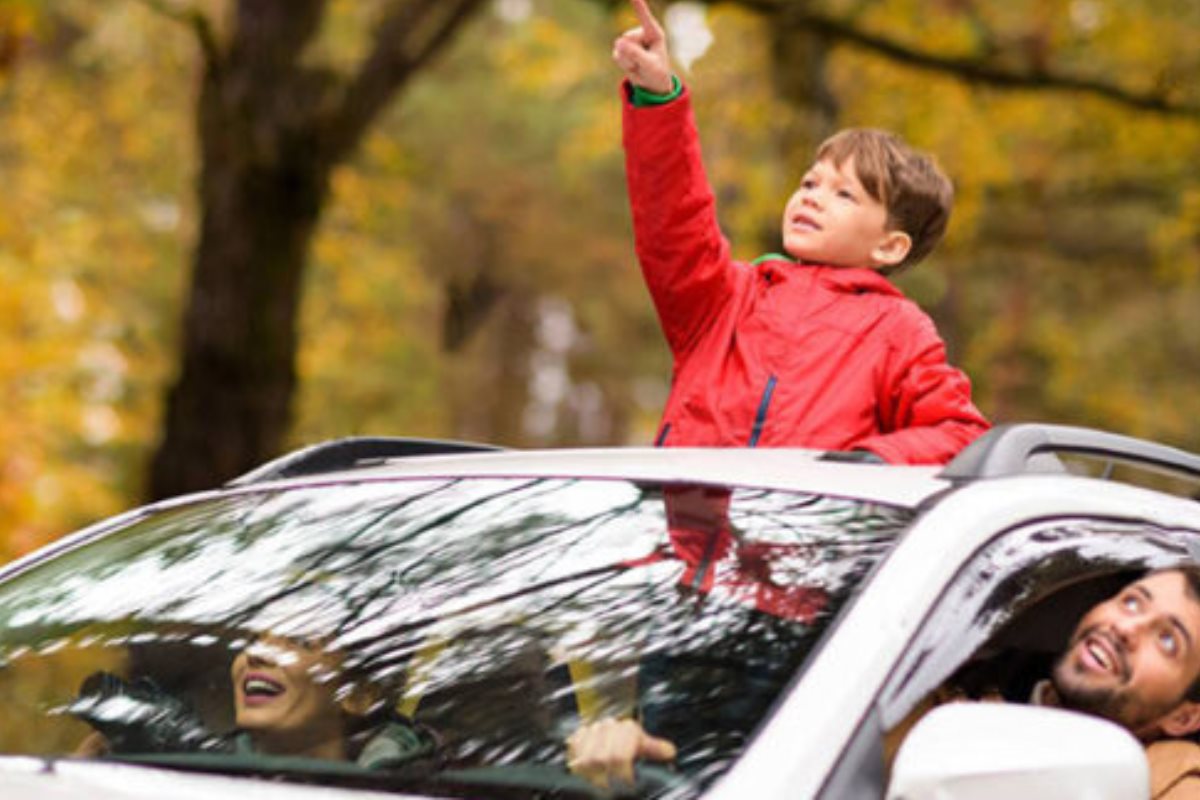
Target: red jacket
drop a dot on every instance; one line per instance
(779, 353)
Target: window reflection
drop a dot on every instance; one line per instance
(503, 611)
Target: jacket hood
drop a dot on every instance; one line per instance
(847, 280)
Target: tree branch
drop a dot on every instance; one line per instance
(411, 33)
(972, 70)
(195, 19)
(983, 73)
(274, 34)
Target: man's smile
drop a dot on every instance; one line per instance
(1102, 652)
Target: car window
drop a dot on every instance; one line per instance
(991, 603)
(481, 619)
(999, 624)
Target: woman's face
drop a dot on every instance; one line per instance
(284, 695)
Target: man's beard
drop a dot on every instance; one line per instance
(1101, 701)
(1114, 703)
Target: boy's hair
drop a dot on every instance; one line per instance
(916, 193)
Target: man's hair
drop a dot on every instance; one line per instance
(916, 193)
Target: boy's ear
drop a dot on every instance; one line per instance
(1182, 720)
(892, 249)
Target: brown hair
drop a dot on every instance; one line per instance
(916, 193)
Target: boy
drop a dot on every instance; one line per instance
(821, 351)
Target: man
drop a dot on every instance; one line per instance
(1133, 659)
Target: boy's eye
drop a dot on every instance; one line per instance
(846, 194)
(1168, 642)
(1130, 602)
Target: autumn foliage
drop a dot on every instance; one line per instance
(471, 272)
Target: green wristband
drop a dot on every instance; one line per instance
(642, 97)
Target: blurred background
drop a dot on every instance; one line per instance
(228, 228)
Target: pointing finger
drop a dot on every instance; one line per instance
(653, 31)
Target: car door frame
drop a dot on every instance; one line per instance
(834, 715)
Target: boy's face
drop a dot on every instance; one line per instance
(831, 219)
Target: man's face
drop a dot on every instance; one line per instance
(1133, 657)
(832, 220)
(284, 693)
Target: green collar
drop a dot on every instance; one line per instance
(773, 257)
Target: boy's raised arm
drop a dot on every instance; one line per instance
(683, 254)
(641, 53)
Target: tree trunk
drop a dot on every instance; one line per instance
(231, 406)
(271, 129)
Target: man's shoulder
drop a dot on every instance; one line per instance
(1174, 763)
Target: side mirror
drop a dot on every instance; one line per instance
(988, 751)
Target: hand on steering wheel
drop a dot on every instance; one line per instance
(604, 752)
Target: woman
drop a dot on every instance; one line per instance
(291, 697)
(296, 698)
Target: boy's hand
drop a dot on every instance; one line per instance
(642, 55)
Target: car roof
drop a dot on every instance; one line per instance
(1005, 451)
(776, 468)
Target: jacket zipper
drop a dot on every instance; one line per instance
(760, 416)
(705, 564)
(662, 436)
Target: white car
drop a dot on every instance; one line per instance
(773, 612)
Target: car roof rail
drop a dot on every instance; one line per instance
(351, 452)
(1024, 448)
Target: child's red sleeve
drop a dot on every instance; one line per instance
(928, 416)
(684, 257)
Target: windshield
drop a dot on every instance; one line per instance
(453, 627)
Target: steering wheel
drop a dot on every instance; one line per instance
(650, 780)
